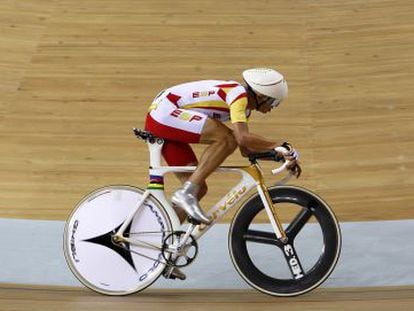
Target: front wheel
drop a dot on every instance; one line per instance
(295, 267)
(94, 256)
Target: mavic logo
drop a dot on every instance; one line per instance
(73, 241)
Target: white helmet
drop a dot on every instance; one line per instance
(267, 82)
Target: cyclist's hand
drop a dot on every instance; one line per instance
(293, 157)
(295, 169)
(289, 155)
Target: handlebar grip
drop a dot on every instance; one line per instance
(268, 155)
(281, 168)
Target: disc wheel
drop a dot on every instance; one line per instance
(97, 259)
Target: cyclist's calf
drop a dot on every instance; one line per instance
(203, 191)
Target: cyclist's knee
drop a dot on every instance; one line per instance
(230, 141)
(226, 136)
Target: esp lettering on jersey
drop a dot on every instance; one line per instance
(203, 94)
(185, 115)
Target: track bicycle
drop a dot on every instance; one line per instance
(119, 239)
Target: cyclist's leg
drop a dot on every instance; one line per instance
(181, 154)
(193, 127)
(183, 177)
(221, 142)
(179, 128)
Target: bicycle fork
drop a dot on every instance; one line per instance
(271, 213)
(288, 249)
(255, 172)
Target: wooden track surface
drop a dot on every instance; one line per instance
(49, 298)
(76, 76)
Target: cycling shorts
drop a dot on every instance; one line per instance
(179, 128)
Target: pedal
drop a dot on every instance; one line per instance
(193, 221)
(173, 273)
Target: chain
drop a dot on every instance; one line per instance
(140, 254)
(161, 249)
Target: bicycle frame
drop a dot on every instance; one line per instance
(251, 176)
(139, 230)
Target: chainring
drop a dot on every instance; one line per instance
(181, 257)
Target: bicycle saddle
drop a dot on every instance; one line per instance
(145, 135)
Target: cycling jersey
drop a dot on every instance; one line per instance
(178, 114)
(222, 100)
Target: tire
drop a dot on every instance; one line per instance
(99, 263)
(295, 268)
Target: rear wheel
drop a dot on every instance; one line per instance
(97, 260)
(295, 267)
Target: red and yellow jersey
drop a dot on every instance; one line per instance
(221, 100)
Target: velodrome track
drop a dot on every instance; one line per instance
(76, 76)
(48, 298)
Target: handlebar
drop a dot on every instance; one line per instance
(272, 155)
(283, 167)
(268, 155)
(275, 156)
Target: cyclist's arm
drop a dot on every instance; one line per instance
(245, 152)
(249, 142)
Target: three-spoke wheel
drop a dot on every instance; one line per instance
(296, 266)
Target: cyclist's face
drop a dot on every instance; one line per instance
(265, 103)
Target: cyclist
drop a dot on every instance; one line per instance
(194, 112)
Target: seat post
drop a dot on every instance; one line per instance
(154, 144)
(155, 147)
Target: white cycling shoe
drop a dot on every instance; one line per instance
(185, 198)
